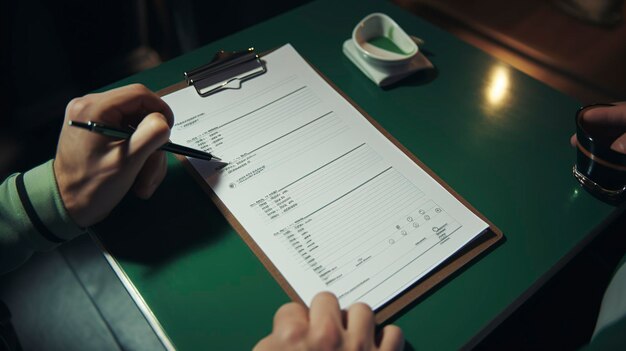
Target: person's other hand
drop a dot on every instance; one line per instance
(326, 327)
(94, 171)
(607, 123)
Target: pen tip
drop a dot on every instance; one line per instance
(217, 158)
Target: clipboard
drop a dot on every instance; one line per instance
(230, 71)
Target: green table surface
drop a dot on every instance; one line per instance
(511, 159)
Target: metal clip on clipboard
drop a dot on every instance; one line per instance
(227, 70)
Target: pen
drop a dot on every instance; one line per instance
(123, 134)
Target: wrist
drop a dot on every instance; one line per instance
(73, 197)
(45, 205)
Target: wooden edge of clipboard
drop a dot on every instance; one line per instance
(454, 263)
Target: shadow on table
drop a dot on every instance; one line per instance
(422, 77)
(180, 217)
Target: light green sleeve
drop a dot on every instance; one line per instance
(613, 306)
(610, 332)
(32, 216)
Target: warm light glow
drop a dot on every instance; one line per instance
(497, 86)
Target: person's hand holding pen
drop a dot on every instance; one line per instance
(94, 171)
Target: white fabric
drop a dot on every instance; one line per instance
(613, 306)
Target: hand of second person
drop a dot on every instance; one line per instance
(93, 171)
(607, 123)
(325, 327)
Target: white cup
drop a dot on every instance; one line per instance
(379, 25)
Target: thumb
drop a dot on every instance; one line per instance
(619, 144)
(151, 133)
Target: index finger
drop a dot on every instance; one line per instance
(325, 307)
(130, 104)
(607, 115)
(605, 124)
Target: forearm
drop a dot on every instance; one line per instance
(32, 216)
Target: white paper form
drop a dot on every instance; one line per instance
(330, 200)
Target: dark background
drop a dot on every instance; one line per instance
(53, 51)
